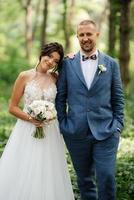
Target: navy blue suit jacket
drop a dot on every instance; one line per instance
(99, 108)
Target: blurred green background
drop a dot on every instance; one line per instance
(26, 24)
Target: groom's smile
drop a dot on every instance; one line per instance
(87, 36)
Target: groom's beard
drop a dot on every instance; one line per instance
(88, 46)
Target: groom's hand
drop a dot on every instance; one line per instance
(70, 55)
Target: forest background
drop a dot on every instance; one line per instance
(27, 24)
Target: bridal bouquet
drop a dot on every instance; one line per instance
(42, 111)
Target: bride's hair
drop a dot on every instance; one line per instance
(49, 48)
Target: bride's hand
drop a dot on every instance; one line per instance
(40, 124)
(36, 122)
(47, 121)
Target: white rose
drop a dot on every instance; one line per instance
(49, 115)
(37, 111)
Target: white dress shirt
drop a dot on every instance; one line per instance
(89, 68)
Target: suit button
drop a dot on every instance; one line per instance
(88, 110)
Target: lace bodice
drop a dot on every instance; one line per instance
(35, 91)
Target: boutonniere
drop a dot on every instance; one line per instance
(102, 68)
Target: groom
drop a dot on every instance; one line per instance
(90, 111)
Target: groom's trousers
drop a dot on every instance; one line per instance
(94, 161)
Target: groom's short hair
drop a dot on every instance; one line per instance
(86, 22)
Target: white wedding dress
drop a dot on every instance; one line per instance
(35, 169)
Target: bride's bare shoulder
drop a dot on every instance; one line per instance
(26, 75)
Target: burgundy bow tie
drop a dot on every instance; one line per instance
(93, 57)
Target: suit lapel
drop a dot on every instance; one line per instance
(77, 68)
(101, 61)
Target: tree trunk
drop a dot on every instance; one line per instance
(103, 16)
(124, 41)
(26, 5)
(65, 26)
(69, 20)
(37, 10)
(28, 30)
(44, 23)
(112, 27)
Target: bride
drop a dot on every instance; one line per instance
(32, 168)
